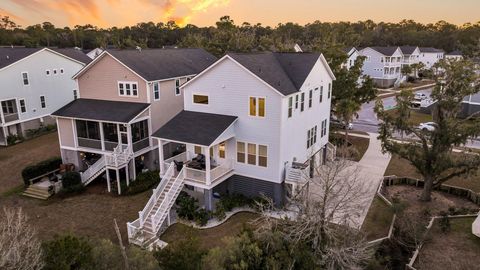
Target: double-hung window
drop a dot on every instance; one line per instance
(310, 98)
(23, 107)
(329, 90)
(311, 136)
(256, 106)
(75, 94)
(25, 78)
(290, 107)
(177, 87)
(8, 106)
(296, 101)
(43, 103)
(128, 89)
(323, 131)
(321, 94)
(252, 154)
(302, 102)
(156, 91)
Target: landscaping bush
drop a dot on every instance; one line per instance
(67, 252)
(13, 139)
(143, 182)
(219, 212)
(444, 222)
(235, 200)
(31, 133)
(201, 217)
(72, 183)
(187, 206)
(40, 168)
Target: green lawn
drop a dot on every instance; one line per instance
(356, 149)
(210, 238)
(378, 220)
(401, 167)
(455, 249)
(416, 117)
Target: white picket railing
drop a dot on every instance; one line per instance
(93, 170)
(143, 215)
(224, 168)
(168, 200)
(119, 156)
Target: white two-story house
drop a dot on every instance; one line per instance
(383, 65)
(430, 56)
(352, 54)
(250, 123)
(34, 83)
(411, 54)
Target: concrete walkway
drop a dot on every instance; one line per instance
(372, 167)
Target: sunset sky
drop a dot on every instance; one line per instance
(107, 13)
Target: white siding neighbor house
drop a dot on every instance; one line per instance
(383, 65)
(252, 124)
(352, 54)
(411, 54)
(429, 56)
(455, 55)
(35, 82)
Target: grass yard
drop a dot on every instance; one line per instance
(456, 249)
(378, 220)
(210, 238)
(416, 117)
(16, 157)
(89, 214)
(401, 167)
(356, 149)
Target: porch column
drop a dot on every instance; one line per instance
(161, 158)
(207, 166)
(109, 188)
(102, 137)
(134, 169)
(3, 118)
(208, 197)
(118, 181)
(129, 136)
(126, 175)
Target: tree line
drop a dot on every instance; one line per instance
(227, 36)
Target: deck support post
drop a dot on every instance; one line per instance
(127, 175)
(207, 166)
(119, 189)
(208, 198)
(161, 158)
(109, 187)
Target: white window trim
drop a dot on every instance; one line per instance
(45, 101)
(200, 94)
(257, 104)
(153, 88)
(125, 89)
(175, 87)
(257, 153)
(20, 105)
(28, 78)
(55, 72)
(48, 72)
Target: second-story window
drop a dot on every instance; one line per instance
(156, 91)
(75, 94)
(290, 107)
(43, 103)
(321, 94)
(23, 107)
(312, 136)
(257, 106)
(329, 90)
(25, 78)
(296, 101)
(128, 89)
(177, 87)
(302, 102)
(310, 98)
(323, 131)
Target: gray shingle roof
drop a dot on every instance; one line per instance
(9, 56)
(285, 72)
(102, 110)
(430, 50)
(388, 51)
(195, 127)
(408, 49)
(455, 53)
(159, 64)
(74, 54)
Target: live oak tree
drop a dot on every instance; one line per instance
(431, 152)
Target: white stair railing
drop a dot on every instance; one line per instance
(88, 175)
(119, 156)
(145, 213)
(168, 200)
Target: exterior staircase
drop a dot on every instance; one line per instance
(94, 171)
(38, 191)
(476, 226)
(331, 151)
(144, 231)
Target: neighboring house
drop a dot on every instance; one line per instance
(430, 56)
(383, 65)
(259, 120)
(455, 55)
(124, 96)
(411, 55)
(34, 83)
(352, 54)
(94, 53)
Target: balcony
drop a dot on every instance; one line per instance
(142, 144)
(89, 143)
(10, 117)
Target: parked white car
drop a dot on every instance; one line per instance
(341, 124)
(428, 126)
(420, 96)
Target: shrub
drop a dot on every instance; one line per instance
(13, 139)
(183, 254)
(143, 182)
(187, 206)
(72, 183)
(444, 222)
(201, 217)
(219, 212)
(40, 168)
(235, 200)
(68, 252)
(31, 133)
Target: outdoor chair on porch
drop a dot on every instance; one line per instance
(178, 165)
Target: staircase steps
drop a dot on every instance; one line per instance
(37, 192)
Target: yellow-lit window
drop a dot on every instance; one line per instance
(261, 107)
(221, 150)
(200, 99)
(241, 152)
(253, 106)
(252, 154)
(262, 155)
(198, 149)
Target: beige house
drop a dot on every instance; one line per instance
(124, 95)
